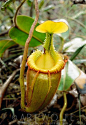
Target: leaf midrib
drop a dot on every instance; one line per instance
(28, 34)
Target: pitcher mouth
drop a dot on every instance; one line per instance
(36, 59)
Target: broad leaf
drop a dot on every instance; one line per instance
(20, 37)
(69, 74)
(20, 34)
(5, 44)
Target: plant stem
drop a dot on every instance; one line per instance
(61, 45)
(64, 95)
(15, 21)
(25, 58)
(79, 107)
(63, 109)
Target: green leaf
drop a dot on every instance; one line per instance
(6, 4)
(20, 37)
(20, 34)
(10, 9)
(5, 44)
(41, 4)
(29, 2)
(76, 53)
(69, 73)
